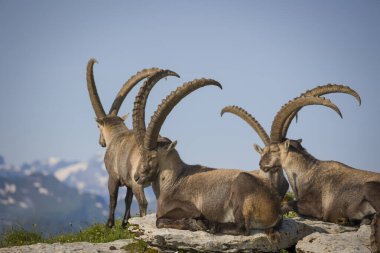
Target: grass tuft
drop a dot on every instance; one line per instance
(96, 233)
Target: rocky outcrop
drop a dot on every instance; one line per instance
(349, 242)
(291, 232)
(78, 247)
(308, 236)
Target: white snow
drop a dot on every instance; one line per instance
(37, 184)
(43, 191)
(30, 171)
(23, 205)
(103, 180)
(98, 205)
(64, 173)
(53, 161)
(8, 201)
(11, 188)
(81, 185)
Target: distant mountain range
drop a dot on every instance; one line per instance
(55, 196)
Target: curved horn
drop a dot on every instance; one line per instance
(332, 88)
(94, 97)
(243, 114)
(320, 91)
(140, 103)
(292, 106)
(167, 106)
(128, 86)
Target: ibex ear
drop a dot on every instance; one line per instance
(258, 148)
(125, 117)
(99, 121)
(171, 146)
(287, 145)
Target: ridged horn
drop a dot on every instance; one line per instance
(332, 88)
(292, 106)
(128, 86)
(167, 106)
(92, 91)
(244, 115)
(320, 91)
(140, 103)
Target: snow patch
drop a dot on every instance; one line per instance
(23, 205)
(52, 161)
(8, 201)
(80, 185)
(37, 184)
(64, 173)
(98, 205)
(43, 191)
(8, 188)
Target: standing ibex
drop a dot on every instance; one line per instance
(187, 194)
(122, 156)
(326, 190)
(274, 178)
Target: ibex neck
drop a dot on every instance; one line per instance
(296, 165)
(113, 131)
(169, 174)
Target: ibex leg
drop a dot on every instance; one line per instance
(113, 189)
(183, 224)
(138, 191)
(128, 202)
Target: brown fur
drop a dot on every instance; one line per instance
(219, 196)
(326, 190)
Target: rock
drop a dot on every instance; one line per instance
(78, 247)
(349, 242)
(292, 230)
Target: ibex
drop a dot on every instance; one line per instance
(326, 190)
(275, 175)
(189, 194)
(275, 178)
(122, 156)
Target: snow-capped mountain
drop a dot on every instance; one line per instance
(44, 201)
(76, 190)
(87, 176)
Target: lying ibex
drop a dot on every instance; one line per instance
(274, 178)
(187, 194)
(122, 156)
(326, 190)
(275, 175)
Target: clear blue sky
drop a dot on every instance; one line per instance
(262, 52)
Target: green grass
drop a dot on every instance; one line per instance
(96, 233)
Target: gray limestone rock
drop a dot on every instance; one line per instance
(348, 242)
(291, 232)
(78, 247)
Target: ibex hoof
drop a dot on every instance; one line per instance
(110, 223)
(124, 224)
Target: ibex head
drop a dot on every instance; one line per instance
(151, 161)
(107, 122)
(155, 153)
(277, 146)
(276, 153)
